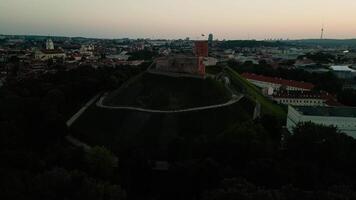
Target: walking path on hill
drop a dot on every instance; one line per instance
(175, 75)
(78, 143)
(236, 98)
(69, 123)
(82, 110)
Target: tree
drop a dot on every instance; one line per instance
(244, 142)
(59, 183)
(273, 126)
(347, 97)
(113, 82)
(318, 142)
(240, 189)
(101, 162)
(320, 156)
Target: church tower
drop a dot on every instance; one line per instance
(49, 44)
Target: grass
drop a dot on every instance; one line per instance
(167, 93)
(268, 106)
(122, 129)
(213, 69)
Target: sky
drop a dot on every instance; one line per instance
(172, 19)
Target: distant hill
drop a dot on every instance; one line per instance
(230, 44)
(324, 42)
(44, 37)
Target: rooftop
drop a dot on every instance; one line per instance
(327, 111)
(342, 68)
(276, 80)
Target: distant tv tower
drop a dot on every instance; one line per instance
(322, 32)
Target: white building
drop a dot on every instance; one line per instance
(50, 52)
(304, 98)
(210, 61)
(87, 50)
(46, 54)
(343, 71)
(300, 101)
(242, 59)
(49, 44)
(123, 56)
(344, 118)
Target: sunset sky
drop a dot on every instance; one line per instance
(227, 19)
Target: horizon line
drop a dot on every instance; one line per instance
(144, 38)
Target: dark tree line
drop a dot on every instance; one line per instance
(37, 161)
(251, 43)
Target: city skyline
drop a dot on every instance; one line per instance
(227, 19)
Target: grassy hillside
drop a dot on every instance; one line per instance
(122, 129)
(213, 69)
(167, 93)
(268, 107)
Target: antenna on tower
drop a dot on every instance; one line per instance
(322, 32)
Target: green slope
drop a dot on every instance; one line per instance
(167, 93)
(121, 129)
(268, 107)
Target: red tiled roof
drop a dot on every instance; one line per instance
(291, 83)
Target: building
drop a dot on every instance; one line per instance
(49, 44)
(189, 65)
(3, 56)
(47, 54)
(343, 71)
(201, 48)
(304, 98)
(181, 64)
(304, 62)
(210, 39)
(50, 52)
(243, 59)
(123, 56)
(87, 50)
(138, 46)
(277, 83)
(210, 61)
(344, 118)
